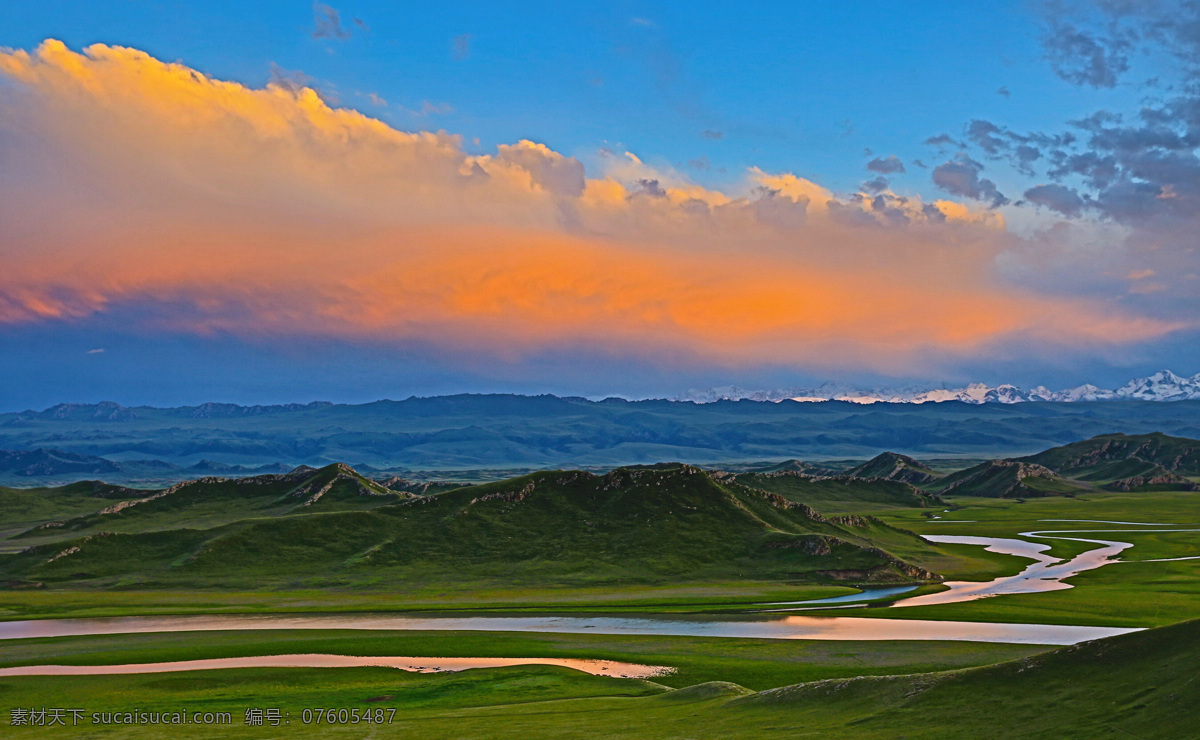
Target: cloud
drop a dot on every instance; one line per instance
(710, 134)
(651, 188)
(96, 351)
(547, 169)
(149, 197)
(291, 80)
(943, 141)
(960, 176)
(1020, 150)
(327, 23)
(1004, 92)
(1082, 58)
(435, 109)
(876, 185)
(887, 166)
(461, 46)
(1057, 198)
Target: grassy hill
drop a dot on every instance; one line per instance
(675, 524)
(840, 494)
(1090, 459)
(22, 508)
(894, 466)
(1006, 479)
(83, 508)
(1137, 685)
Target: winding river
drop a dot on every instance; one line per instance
(610, 668)
(1046, 573)
(790, 627)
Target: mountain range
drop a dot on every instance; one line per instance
(147, 446)
(1163, 385)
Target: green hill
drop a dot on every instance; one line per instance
(670, 525)
(796, 466)
(421, 488)
(1089, 458)
(204, 502)
(1137, 685)
(1148, 477)
(25, 508)
(839, 494)
(894, 466)
(1006, 479)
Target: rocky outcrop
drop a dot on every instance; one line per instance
(314, 489)
(1165, 478)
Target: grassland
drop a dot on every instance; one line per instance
(1130, 593)
(1141, 685)
(648, 544)
(754, 663)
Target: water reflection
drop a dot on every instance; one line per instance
(319, 660)
(1046, 574)
(867, 594)
(784, 628)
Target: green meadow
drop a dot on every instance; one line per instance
(1141, 685)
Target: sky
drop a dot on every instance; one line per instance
(284, 201)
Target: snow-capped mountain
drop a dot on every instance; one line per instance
(1163, 385)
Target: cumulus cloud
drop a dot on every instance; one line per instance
(888, 166)
(876, 185)
(327, 23)
(293, 80)
(1057, 198)
(547, 169)
(148, 191)
(943, 141)
(960, 177)
(1081, 58)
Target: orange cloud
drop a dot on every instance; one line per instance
(217, 207)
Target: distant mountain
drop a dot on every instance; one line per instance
(111, 411)
(897, 467)
(425, 438)
(1163, 385)
(48, 463)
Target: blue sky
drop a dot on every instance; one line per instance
(703, 96)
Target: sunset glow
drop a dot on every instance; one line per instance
(156, 195)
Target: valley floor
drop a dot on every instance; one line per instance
(1141, 683)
